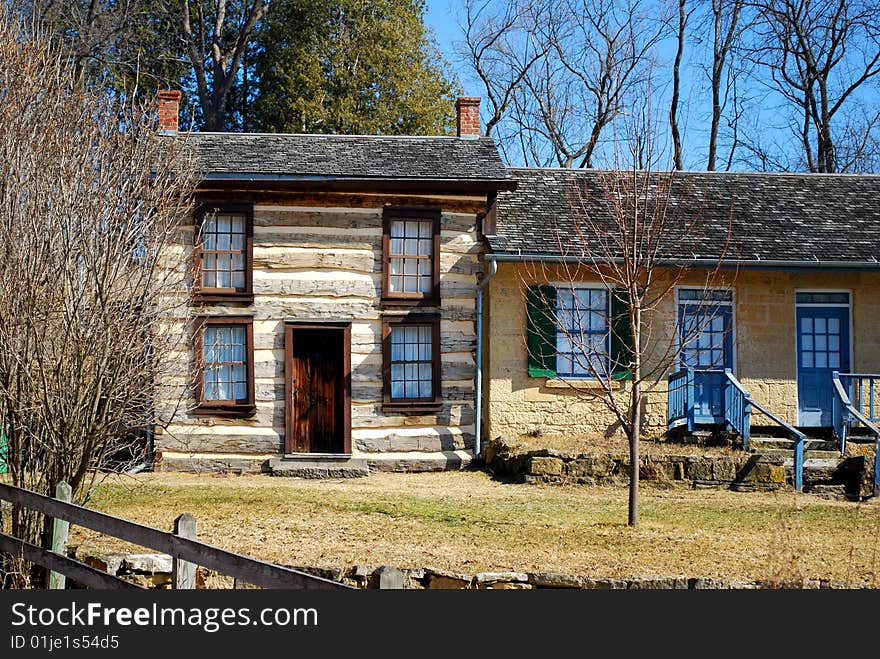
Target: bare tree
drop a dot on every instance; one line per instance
(628, 230)
(91, 199)
(500, 47)
(215, 38)
(820, 54)
(683, 15)
(726, 28)
(558, 73)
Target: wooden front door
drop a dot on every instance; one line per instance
(318, 398)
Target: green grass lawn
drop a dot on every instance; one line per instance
(467, 522)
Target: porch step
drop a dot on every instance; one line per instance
(761, 443)
(827, 490)
(323, 467)
(789, 453)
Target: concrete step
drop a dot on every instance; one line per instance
(323, 467)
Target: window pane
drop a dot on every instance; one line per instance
(397, 229)
(807, 360)
(411, 367)
(819, 325)
(834, 325)
(225, 359)
(821, 360)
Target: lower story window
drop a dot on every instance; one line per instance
(582, 332)
(412, 361)
(224, 353)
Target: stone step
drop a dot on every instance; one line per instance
(296, 467)
(830, 491)
(759, 443)
(789, 453)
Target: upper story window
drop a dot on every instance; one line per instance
(410, 251)
(224, 253)
(224, 360)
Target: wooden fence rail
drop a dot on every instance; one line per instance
(182, 549)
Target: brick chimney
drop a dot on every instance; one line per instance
(467, 110)
(169, 109)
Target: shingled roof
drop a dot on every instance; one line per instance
(289, 157)
(824, 220)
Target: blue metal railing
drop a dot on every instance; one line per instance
(738, 407)
(847, 405)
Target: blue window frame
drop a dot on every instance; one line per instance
(582, 335)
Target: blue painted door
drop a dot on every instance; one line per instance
(822, 347)
(706, 335)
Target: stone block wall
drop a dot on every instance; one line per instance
(765, 352)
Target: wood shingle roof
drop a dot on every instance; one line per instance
(826, 219)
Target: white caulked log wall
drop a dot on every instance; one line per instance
(313, 262)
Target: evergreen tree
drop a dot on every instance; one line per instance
(350, 67)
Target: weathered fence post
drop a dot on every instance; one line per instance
(184, 572)
(60, 531)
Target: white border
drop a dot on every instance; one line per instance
(797, 363)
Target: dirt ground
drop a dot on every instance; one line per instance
(468, 522)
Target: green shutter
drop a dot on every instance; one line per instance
(621, 337)
(4, 466)
(541, 331)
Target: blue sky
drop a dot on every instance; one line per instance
(767, 120)
(440, 17)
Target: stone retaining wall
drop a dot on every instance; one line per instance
(748, 471)
(154, 571)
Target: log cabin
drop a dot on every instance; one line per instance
(335, 299)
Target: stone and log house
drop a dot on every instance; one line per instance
(362, 303)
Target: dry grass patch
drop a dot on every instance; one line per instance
(466, 521)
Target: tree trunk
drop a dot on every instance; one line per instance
(676, 87)
(636, 419)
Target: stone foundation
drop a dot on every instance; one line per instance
(154, 571)
(749, 471)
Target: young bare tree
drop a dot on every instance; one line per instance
(629, 228)
(91, 199)
(821, 55)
